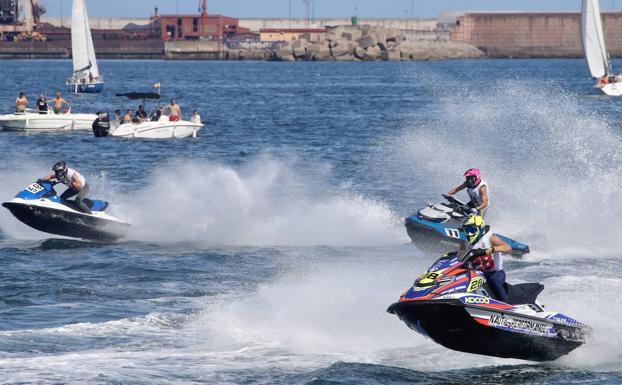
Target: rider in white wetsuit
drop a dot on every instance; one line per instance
(74, 181)
(478, 191)
(488, 252)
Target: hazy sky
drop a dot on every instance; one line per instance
(323, 8)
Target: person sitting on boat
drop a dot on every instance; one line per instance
(487, 254)
(42, 105)
(155, 115)
(477, 189)
(21, 103)
(128, 117)
(196, 118)
(175, 111)
(58, 103)
(75, 182)
(141, 114)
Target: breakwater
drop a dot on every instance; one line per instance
(342, 43)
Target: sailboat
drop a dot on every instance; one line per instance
(86, 77)
(595, 50)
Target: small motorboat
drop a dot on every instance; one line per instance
(32, 120)
(158, 126)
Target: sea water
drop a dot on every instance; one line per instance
(267, 250)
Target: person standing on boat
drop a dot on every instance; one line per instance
(196, 118)
(175, 111)
(477, 189)
(487, 253)
(58, 103)
(75, 182)
(42, 105)
(21, 103)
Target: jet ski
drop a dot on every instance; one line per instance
(436, 228)
(453, 305)
(40, 207)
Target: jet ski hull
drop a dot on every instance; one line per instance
(67, 223)
(450, 324)
(439, 238)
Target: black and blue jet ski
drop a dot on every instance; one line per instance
(40, 207)
(452, 304)
(436, 228)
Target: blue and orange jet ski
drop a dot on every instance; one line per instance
(452, 304)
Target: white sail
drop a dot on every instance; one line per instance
(83, 52)
(593, 38)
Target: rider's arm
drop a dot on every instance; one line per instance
(457, 189)
(483, 191)
(499, 246)
(49, 177)
(75, 183)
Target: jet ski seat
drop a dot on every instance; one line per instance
(91, 204)
(523, 293)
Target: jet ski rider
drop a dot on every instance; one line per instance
(74, 181)
(487, 253)
(477, 190)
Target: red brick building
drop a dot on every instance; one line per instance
(192, 27)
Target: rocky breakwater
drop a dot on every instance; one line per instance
(364, 43)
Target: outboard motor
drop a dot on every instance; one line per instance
(101, 125)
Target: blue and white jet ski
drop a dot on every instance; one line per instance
(40, 207)
(452, 304)
(436, 228)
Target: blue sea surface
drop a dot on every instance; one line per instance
(266, 250)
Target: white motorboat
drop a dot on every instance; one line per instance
(86, 77)
(163, 128)
(31, 120)
(158, 126)
(595, 50)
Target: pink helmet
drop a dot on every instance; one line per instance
(473, 177)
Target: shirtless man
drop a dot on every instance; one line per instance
(58, 103)
(20, 103)
(128, 117)
(175, 113)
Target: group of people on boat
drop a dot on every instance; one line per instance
(59, 104)
(487, 248)
(608, 79)
(172, 111)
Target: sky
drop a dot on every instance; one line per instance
(322, 8)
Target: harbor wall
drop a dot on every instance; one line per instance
(61, 49)
(255, 24)
(280, 23)
(533, 35)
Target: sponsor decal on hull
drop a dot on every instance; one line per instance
(523, 325)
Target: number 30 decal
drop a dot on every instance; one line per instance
(454, 233)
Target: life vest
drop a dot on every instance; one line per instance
(487, 263)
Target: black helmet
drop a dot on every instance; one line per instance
(60, 170)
